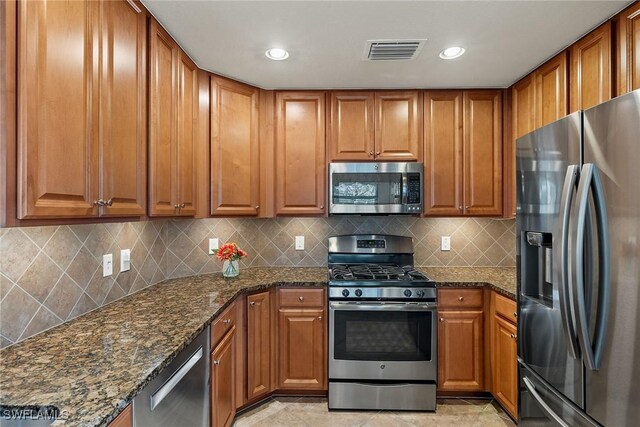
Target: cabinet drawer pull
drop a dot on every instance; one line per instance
(216, 362)
(226, 321)
(252, 303)
(460, 299)
(301, 299)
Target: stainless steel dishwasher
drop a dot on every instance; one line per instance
(179, 395)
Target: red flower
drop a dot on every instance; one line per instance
(229, 251)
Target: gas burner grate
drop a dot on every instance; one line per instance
(375, 272)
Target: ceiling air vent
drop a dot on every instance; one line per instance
(393, 50)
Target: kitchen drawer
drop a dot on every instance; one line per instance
(222, 324)
(301, 297)
(460, 298)
(505, 307)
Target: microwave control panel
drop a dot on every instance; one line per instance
(413, 191)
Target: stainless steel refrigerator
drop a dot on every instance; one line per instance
(578, 250)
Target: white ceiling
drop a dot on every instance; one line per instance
(326, 39)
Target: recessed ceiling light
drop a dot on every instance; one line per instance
(452, 52)
(277, 54)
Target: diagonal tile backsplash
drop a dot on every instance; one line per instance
(49, 275)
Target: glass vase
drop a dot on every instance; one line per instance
(230, 268)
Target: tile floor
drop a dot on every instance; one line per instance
(302, 412)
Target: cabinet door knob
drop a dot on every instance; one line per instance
(182, 205)
(319, 317)
(370, 153)
(109, 202)
(176, 206)
(514, 337)
(515, 314)
(257, 207)
(460, 208)
(442, 319)
(321, 206)
(227, 321)
(466, 207)
(460, 299)
(377, 153)
(97, 203)
(301, 299)
(216, 362)
(252, 303)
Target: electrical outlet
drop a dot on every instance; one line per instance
(107, 265)
(125, 260)
(299, 243)
(213, 245)
(445, 243)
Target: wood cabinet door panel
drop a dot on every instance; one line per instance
(186, 140)
(591, 69)
(505, 381)
(551, 90)
(443, 152)
(123, 99)
(223, 381)
(352, 126)
(300, 153)
(523, 107)
(124, 419)
(235, 160)
(628, 52)
(162, 122)
(258, 344)
(483, 152)
(460, 351)
(57, 109)
(302, 354)
(397, 127)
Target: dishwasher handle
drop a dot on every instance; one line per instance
(175, 378)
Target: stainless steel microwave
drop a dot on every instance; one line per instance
(375, 188)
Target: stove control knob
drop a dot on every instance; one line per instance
(345, 293)
(420, 293)
(358, 292)
(407, 293)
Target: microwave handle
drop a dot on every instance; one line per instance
(405, 189)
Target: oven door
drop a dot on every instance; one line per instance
(383, 341)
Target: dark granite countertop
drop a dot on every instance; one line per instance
(93, 366)
(500, 279)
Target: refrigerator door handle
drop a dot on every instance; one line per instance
(590, 183)
(532, 389)
(561, 267)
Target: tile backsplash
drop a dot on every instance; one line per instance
(49, 275)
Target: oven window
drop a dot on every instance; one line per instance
(367, 188)
(382, 336)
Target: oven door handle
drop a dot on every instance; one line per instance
(384, 306)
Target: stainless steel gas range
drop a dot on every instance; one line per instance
(382, 326)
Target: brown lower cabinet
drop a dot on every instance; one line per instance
(259, 339)
(477, 344)
(124, 419)
(223, 381)
(302, 339)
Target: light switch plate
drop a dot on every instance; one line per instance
(213, 245)
(125, 260)
(107, 265)
(445, 243)
(299, 243)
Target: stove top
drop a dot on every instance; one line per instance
(353, 272)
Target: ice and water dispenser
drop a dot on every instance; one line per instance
(537, 273)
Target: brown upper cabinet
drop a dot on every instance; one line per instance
(375, 126)
(538, 99)
(628, 52)
(235, 157)
(81, 121)
(300, 153)
(591, 74)
(463, 152)
(173, 122)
